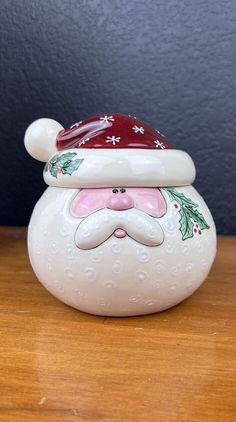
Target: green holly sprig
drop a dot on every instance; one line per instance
(189, 215)
(63, 163)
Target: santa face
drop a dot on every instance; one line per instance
(118, 212)
(121, 251)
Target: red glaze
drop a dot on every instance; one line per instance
(111, 131)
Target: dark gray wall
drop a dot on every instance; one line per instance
(171, 63)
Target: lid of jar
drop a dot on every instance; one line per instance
(106, 151)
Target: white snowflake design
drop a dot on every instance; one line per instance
(107, 119)
(113, 139)
(137, 129)
(76, 124)
(159, 144)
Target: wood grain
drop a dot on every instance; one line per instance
(58, 364)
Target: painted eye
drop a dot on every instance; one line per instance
(122, 190)
(115, 190)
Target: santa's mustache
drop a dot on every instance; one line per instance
(99, 226)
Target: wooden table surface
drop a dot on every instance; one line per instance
(59, 364)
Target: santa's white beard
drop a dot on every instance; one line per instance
(99, 226)
(121, 276)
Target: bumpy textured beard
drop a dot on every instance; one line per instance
(99, 226)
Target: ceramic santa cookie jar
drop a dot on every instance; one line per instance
(120, 230)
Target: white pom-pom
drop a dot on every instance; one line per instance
(40, 138)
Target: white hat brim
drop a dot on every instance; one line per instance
(126, 167)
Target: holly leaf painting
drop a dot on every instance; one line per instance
(189, 215)
(186, 225)
(70, 167)
(66, 157)
(180, 198)
(63, 163)
(53, 171)
(197, 217)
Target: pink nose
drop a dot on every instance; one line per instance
(119, 201)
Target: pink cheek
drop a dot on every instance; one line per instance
(86, 202)
(152, 203)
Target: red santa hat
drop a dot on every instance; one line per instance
(106, 151)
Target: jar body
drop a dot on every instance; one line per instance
(120, 277)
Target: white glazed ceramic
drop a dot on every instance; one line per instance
(114, 260)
